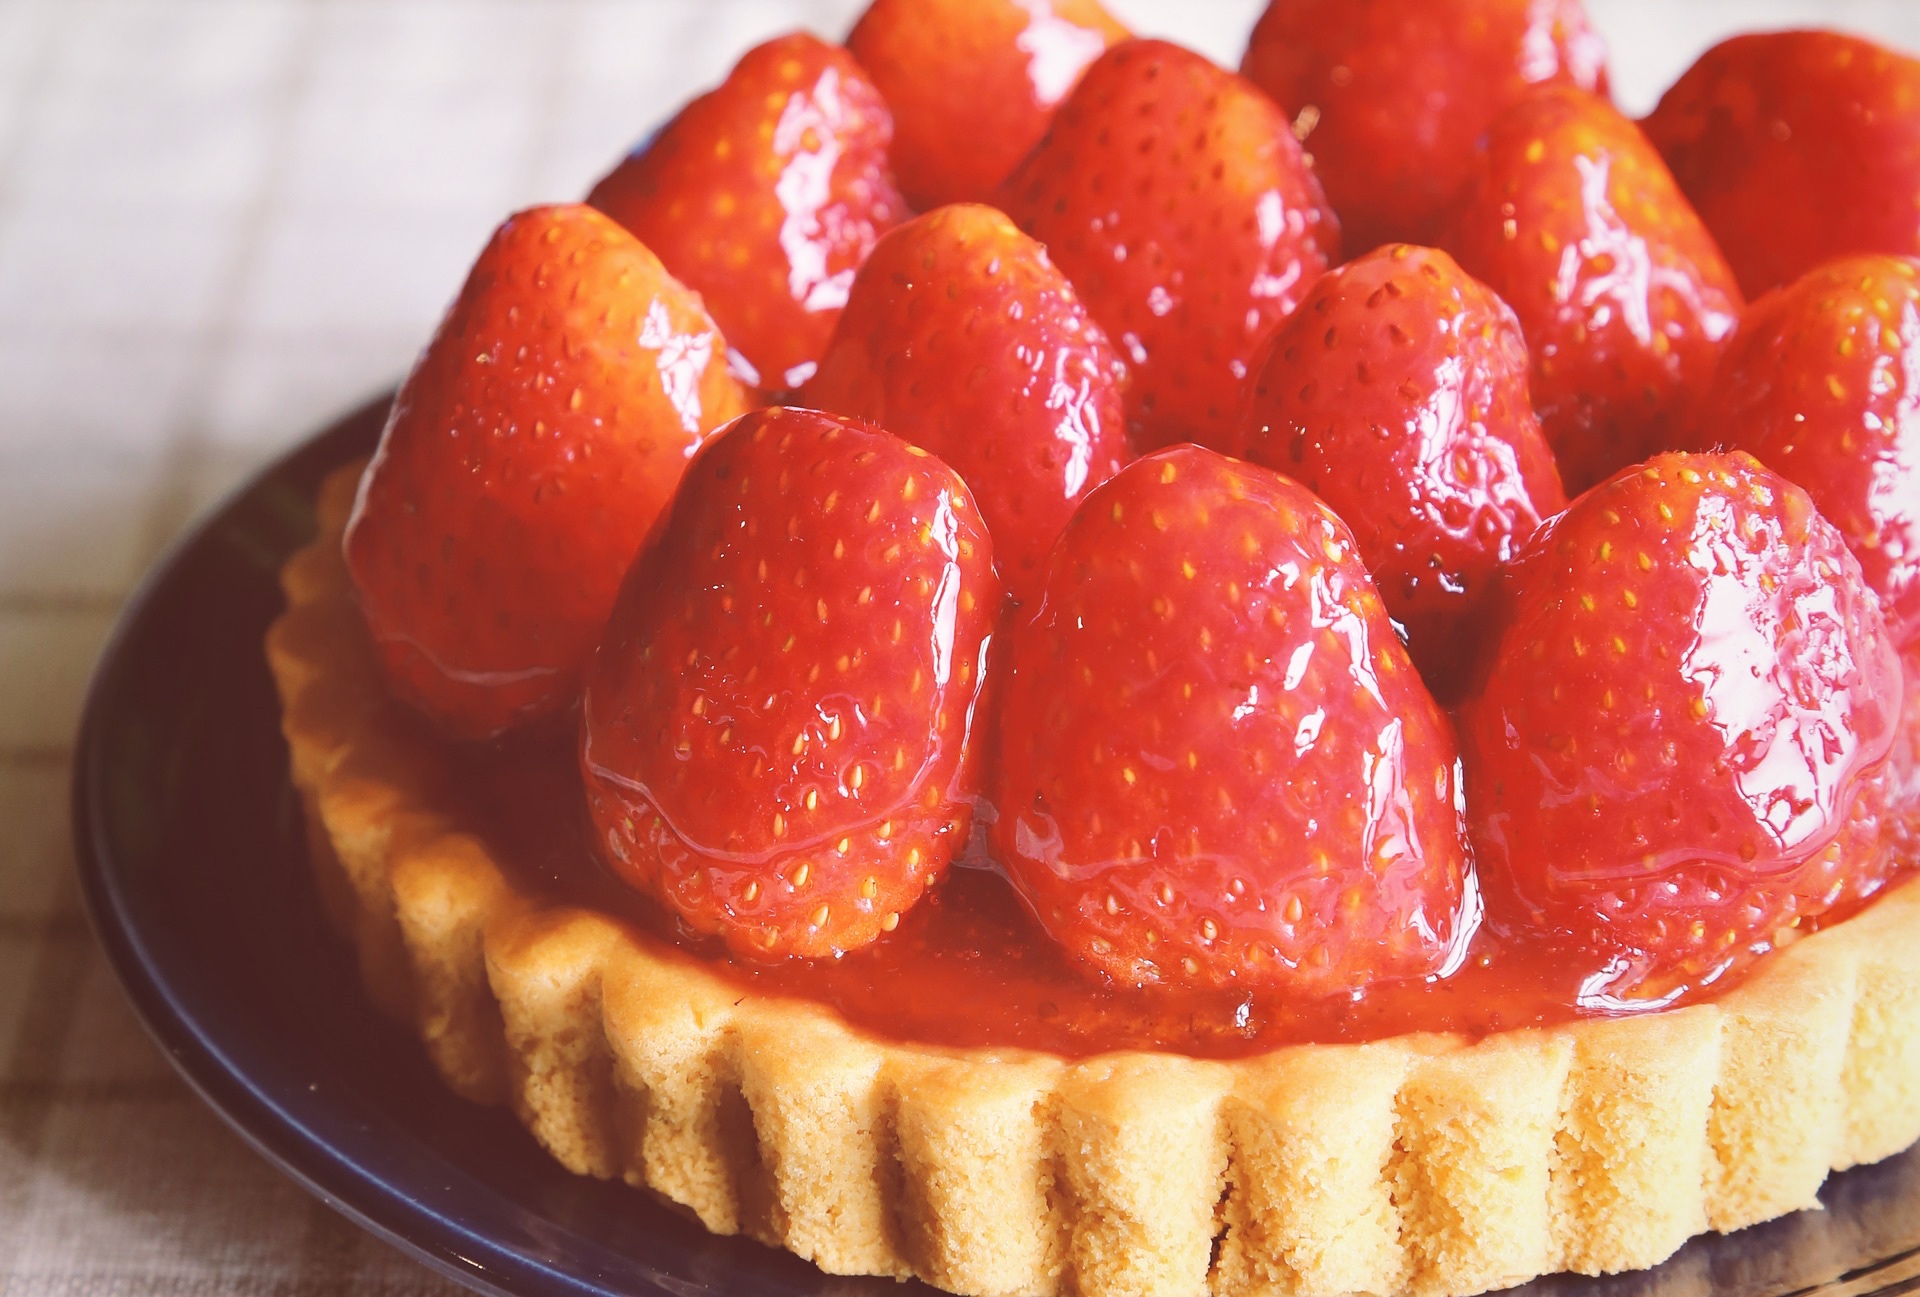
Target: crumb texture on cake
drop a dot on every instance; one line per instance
(1428, 1165)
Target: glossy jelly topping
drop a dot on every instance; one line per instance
(1902, 825)
(1397, 393)
(1822, 384)
(1217, 764)
(777, 725)
(1572, 218)
(1173, 196)
(1391, 99)
(973, 83)
(1185, 789)
(1677, 746)
(562, 393)
(1796, 147)
(765, 195)
(961, 337)
(969, 967)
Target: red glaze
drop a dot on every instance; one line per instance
(776, 732)
(1398, 393)
(1797, 147)
(973, 83)
(1174, 197)
(969, 967)
(1217, 765)
(527, 453)
(1390, 96)
(1903, 769)
(1572, 218)
(1673, 755)
(1822, 384)
(765, 195)
(960, 336)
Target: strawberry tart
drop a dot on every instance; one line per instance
(1270, 683)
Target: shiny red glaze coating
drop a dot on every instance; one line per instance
(766, 194)
(1218, 766)
(777, 732)
(537, 437)
(973, 83)
(960, 336)
(1173, 195)
(1573, 219)
(1398, 394)
(1821, 383)
(1675, 749)
(1796, 147)
(968, 967)
(1903, 768)
(1390, 96)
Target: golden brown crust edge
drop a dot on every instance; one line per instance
(1425, 1165)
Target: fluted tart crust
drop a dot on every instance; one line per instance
(1424, 1165)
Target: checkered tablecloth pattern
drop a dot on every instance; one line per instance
(221, 222)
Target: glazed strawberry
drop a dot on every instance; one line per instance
(1573, 219)
(1676, 749)
(1820, 383)
(776, 735)
(1218, 765)
(765, 195)
(960, 336)
(1398, 393)
(1797, 147)
(1174, 197)
(527, 453)
(973, 83)
(1390, 96)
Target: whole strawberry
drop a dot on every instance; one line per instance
(1390, 96)
(1218, 766)
(765, 195)
(1820, 383)
(527, 454)
(960, 336)
(1676, 750)
(1573, 219)
(777, 731)
(1173, 195)
(1398, 393)
(1797, 147)
(973, 83)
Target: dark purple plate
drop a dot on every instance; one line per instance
(191, 855)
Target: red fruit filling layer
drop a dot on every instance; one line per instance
(968, 966)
